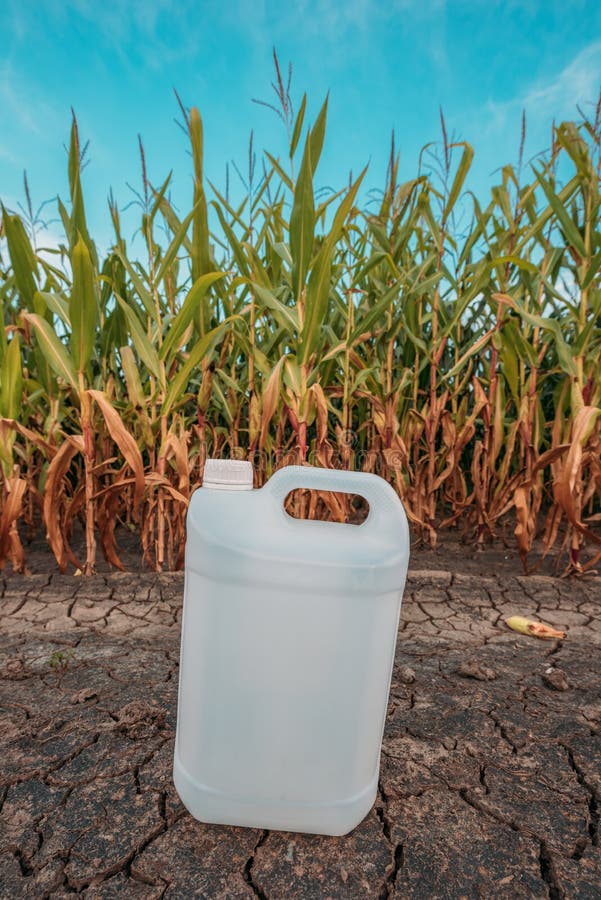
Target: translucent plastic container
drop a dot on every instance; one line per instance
(288, 638)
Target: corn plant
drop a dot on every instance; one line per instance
(450, 344)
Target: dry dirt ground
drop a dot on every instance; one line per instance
(491, 765)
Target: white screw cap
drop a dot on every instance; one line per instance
(228, 475)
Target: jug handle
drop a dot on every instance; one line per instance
(385, 507)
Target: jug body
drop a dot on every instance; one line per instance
(288, 638)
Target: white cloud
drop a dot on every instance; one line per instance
(6, 154)
(333, 16)
(159, 32)
(23, 104)
(578, 83)
(15, 100)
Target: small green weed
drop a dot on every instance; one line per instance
(60, 659)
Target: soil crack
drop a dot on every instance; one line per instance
(593, 805)
(388, 889)
(397, 850)
(248, 874)
(547, 871)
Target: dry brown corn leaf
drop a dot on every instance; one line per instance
(534, 629)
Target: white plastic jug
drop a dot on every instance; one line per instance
(288, 639)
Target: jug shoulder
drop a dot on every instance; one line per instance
(248, 537)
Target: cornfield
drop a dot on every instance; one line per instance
(451, 346)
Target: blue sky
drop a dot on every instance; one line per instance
(386, 64)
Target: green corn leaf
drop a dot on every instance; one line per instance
(286, 315)
(21, 257)
(261, 190)
(53, 350)
(460, 176)
(592, 325)
(363, 376)
(41, 308)
(569, 137)
(514, 260)
(276, 165)
(144, 348)
(11, 386)
(323, 206)
(83, 306)
(258, 269)
(380, 234)
(567, 224)
(179, 383)
(298, 125)
(375, 313)
(462, 304)
(78, 228)
(317, 135)
(174, 247)
(509, 361)
(318, 286)
(318, 292)
(501, 197)
(139, 286)
(422, 287)
(65, 217)
(114, 332)
(132, 377)
(513, 337)
(225, 207)
(552, 327)
(57, 304)
(377, 258)
(292, 375)
(302, 223)
(538, 224)
(476, 347)
(593, 269)
(228, 381)
(190, 307)
(3, 337)
(235, 245)
(343, 211)
(221, 402)
(283, 251)
(262, 361)
(201, 252)
(174, 222)
(159, 198)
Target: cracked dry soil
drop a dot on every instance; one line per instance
(490, 780)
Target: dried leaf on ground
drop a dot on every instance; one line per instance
(534, 629)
